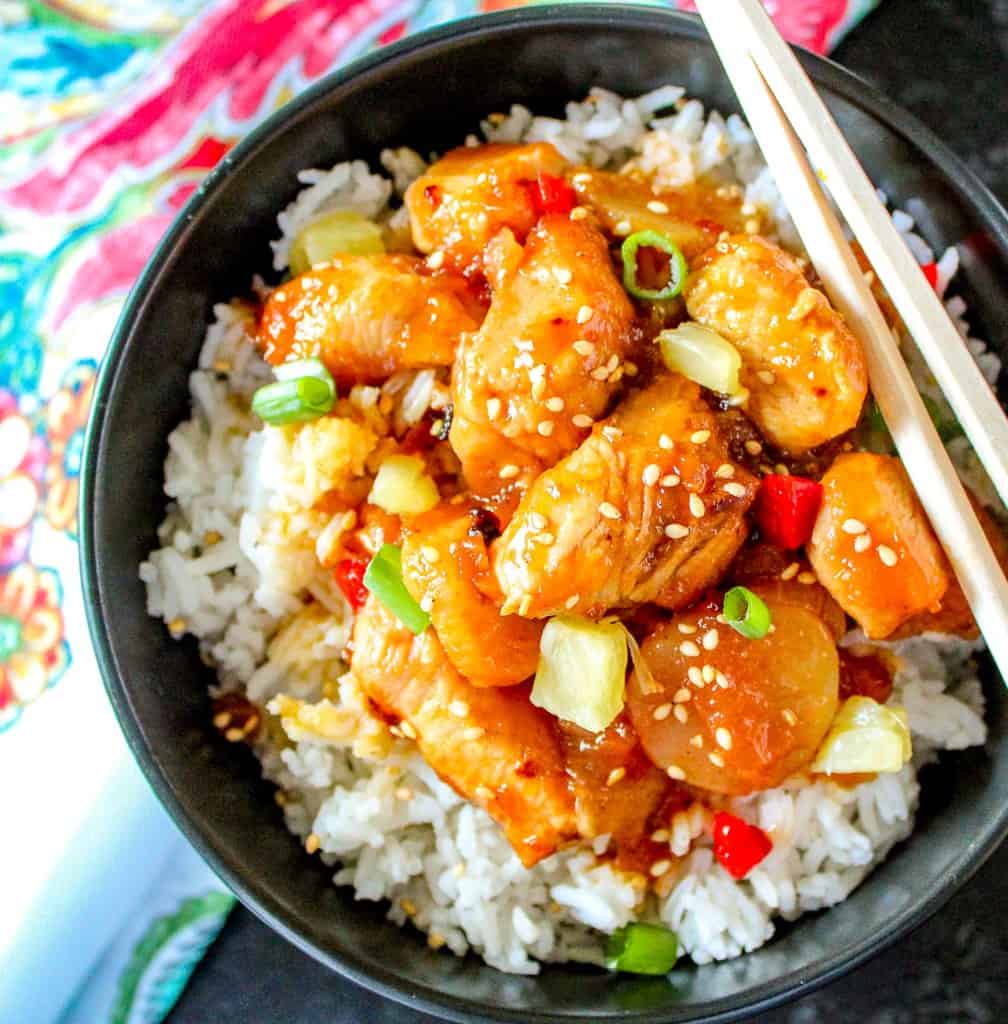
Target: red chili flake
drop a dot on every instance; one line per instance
(432, 193)
(786, 509)
(349, 575)
(738, 846)
(552, 194)
(931, 273)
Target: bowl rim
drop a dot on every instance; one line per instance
(418, 996)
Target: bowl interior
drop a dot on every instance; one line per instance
(429, 95)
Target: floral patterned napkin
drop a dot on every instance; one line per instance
(111, 111)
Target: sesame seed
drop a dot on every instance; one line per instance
(584, 314)
(696, 506)
(716, 759)
(436, 260)
(563, 275)
(700, 436)
(612, 433)
(493, 408)
(578, 213)
(660, 867)
(458, 708)
(710, 639)
(483, 793)
(686, 628)
(599, 373)
(222, 719)
(582, 420)
(572, 601)
(862, 543)
(524, 605)
(657, 206)
(722, 680)
(670, 480)
(724, 738)
(525, 359)
(609, 510)
(623, 227)
(234, 735)
(555, 404)
(790, 572)
(508, 471)
(689, 649)
(682, 696)
(431, 554)
(545, 427)
(538, 388)
(736, 490)
(680, 713)
(887, 555)
(546, 538)
(767, 376)
(708, 673)
(312, 843)
(581, 178)
(660, 835)
(661, 712)
(806, 577)
(407, 730)
(537, 521)
(177, 625)
(789, 716)
(404, 793)
(583, 347)
(853, 526)
(725, 471)
(651, 474)
(753, 447)
(694, 675)
(665, 443)
(616, 775)
(697, 741)
(675, 772)
(524, 345)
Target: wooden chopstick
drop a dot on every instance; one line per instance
(916, 439)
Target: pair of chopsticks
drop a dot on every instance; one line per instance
(782, 107)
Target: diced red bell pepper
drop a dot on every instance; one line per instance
(786, 509)
(738, 846)
(552, 194)
(931, 273)
(349, 575)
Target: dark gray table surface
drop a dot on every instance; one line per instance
(945, 60)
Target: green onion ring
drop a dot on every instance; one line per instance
(642, 949)
(383, 578)
(677, 265)
(304, 390)
(746, 613)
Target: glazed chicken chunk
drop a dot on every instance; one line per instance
(527, 385)
(493, 746)
(805, 372)
(650, 508)
(366, 317)
(467, 196)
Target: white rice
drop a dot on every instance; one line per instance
(241, 558)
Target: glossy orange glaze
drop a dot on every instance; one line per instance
(774, 698)
(591, 534)
(805, 371)
(445, 565)
(366, 317)
(864, 675)
(874, 491)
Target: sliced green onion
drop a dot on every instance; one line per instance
(677, 265)
(383, 578)
(335, 232)
(746, 613)
(304, 390)
(642, 949)
(703, 356)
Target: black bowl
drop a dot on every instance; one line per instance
(429, 92)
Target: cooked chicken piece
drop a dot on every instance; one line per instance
(805, 371)
(786, 577)
(616, 788)
(492, 746)
(692, 216)
(446, 565)
(649, 509)
(367, 316)
(756, 716)
(471, 193)
(955, 616)
(548, 356)
(873, 547)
